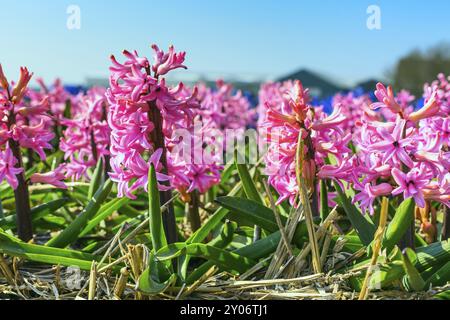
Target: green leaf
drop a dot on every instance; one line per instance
(432, 255)
(419, 241)
(403, 218)
(129, 211)
(412, 279)
(56, 260)
(431, 271)
(229, 261)
(253, 213)
(443, 295)
(440, 278)
(363, 227)
(352, 243)
(171, 251)
(156, 225)
(150, 280)
(227, 172)
(247, 182)
(255, 251)
(37, 213)
(96, 179)
(225, 237)
(53, 256)
(104, 212)
(72, 232)
(5, 191)
(383, 276)
(324, 209)
(386, 275)
(179, 249)
(202, 233)
(262, 248)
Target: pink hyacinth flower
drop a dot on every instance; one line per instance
(165, 62)
(411, 184)
(8, 170)
(386, 99)
(393, 144)
(54, 178)
(430, 109)
(369, 193)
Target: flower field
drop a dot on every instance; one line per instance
(147, 190)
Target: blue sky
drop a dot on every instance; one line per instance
(242, 37)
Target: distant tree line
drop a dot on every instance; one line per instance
(419, 67)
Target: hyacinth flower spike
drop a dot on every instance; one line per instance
(144, 113)
(25, 126)
(12, 158)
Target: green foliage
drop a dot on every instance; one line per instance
(91, 216)
(247, 182)
(53, 256)
(403, 218)
(248, 212)
(74, 229)
(412, 280)
(363, 227)
(324, 209)
(156, 225)
(96, 179)
(37, 213)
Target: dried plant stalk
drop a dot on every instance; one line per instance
(376, 249)
(121, 283)
(284, 237)
(92, 281)
(4, 268)
(307, 206)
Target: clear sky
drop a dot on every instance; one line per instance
(242, 37)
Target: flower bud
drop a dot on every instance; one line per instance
(3, 81)
(21, 87)
(427, 111)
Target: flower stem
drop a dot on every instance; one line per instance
(446, 224)
(408, 240)
(107, 156)
(93, 145)
(2, 214)
(21, 194)
(193, 215)
(22, 197)
(30, 162)
(157, 137)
